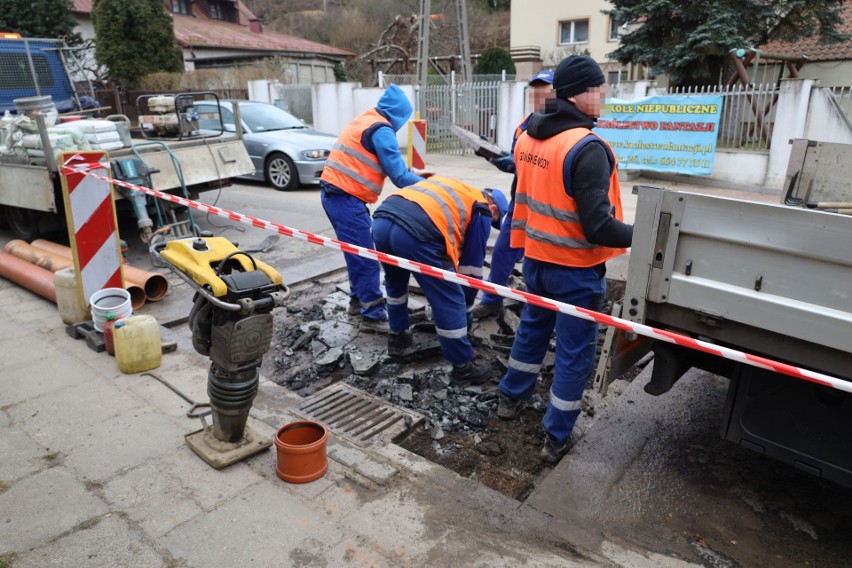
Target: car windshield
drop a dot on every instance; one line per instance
(264, 118)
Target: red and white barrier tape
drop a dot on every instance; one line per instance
(583, 313)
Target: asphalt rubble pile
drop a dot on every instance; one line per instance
(318, 343)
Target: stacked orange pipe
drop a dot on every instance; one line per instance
(155, 285)
(56, 260)
(34, 278)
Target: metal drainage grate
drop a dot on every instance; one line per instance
(357, 416)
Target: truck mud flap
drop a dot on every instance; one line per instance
(801, 424)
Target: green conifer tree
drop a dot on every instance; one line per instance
(134, 39)
(689, 40)
(49, 19)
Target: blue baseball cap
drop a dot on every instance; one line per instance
(544, 76)
(501, 202)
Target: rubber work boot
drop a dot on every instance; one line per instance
(508, 408)
(374, 326)
(470, 374)
(553, 451)
(398, 343)
(354, 306)
(482, 311)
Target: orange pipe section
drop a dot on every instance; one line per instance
(45, 259)
(32, 277)
(154, 285)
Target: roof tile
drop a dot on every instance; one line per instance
(811, 46)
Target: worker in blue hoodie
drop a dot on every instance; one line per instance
(364, 155)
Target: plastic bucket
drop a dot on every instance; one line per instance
(301, 451)
(109, 301)
(29, 105)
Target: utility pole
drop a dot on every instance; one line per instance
(423, 53)
(423, 47)
(464, 40)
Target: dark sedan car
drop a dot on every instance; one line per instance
(285, 152)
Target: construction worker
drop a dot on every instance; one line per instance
(503, 256)
(568, 220)
(365, 153)
(444, 223)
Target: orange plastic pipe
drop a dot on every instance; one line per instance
(32, 277)
(154, 285)
(45, 259)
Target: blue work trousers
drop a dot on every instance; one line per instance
(446, 298)
(503, 258)
(351, 221)
(575, 341)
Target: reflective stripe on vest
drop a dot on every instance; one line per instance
(350, 166)
(545, 223)
(448, 203)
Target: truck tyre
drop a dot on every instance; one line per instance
(23, 223)
(281, 172)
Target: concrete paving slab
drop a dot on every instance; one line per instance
(109, 541)
(21, 456)
(292, 533)
(397, 525)
(152, 498)
(180, 480)
(352, 553)
(41, 373)
(97, 450)
(159, 396)
(56, 417)
(43, 507)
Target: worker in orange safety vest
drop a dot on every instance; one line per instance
(568, 219)
(364, 155)
(445, 223)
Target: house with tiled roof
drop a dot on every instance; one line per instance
(225, 33)
(829, 63)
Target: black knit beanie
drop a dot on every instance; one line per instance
(575, 74)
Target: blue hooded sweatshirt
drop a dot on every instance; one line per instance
(381, 139)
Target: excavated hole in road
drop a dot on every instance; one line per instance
(316, 343)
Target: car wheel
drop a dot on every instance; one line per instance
(23, 223)
(281, 172)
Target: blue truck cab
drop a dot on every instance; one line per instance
(35, 67)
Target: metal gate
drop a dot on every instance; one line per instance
(748, 114)
(295, 99)
(469, 105)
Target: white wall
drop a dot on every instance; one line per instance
(511, 110)
(803, 111)
(746, 168)
(336, 104)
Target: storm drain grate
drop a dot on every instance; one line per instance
(358, 417)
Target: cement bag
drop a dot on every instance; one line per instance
(94, 125)
(101, 137)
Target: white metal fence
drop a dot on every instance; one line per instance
(470, 105)
(295, 99)
(748, 114)
(843, 100)
(385, 79)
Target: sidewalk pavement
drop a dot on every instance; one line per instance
(95, 472)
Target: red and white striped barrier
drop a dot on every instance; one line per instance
(92, 225)
(417, 144)
(583, 313)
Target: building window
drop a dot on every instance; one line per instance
(181, 7)
(613, 29)
(222, 10)
(574, 31)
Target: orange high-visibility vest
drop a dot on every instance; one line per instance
(448, 203)
(545, 223)
(350, 166)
